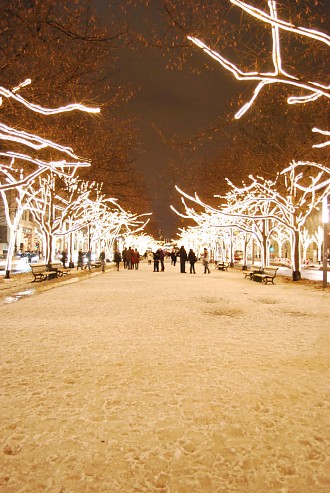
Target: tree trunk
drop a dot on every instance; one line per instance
(11, 246)
(296, 274)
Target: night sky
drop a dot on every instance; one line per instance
(171, 104)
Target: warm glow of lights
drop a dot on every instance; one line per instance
(31, 140)
(317, 183)
(260, 210)
(39, 109)
(279, 75)
(11, 163)
(288, 26)
(323, 132)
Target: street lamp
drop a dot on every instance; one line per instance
(325, 220)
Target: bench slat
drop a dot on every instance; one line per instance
(266, 276)
(41, 272)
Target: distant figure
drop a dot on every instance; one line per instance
(102, 258)
(80, 262)
(183, 259)
(89, 259)
(136, 258)
(206, 260)
(173, 257)
(64, 258)
(129, 258)
(156, 261)
(192, 259)
(117, 258)
(150, 257)
(162, 259)
(123, 254)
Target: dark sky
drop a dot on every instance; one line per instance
(177, 104)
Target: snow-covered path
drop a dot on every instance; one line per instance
(135, 381)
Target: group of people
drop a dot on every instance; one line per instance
(158, 258)
(131, 258)
(192, 259)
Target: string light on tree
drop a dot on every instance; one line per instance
(313, 89)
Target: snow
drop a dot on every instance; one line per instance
(136, 381)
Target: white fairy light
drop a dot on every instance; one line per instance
(279, 75)
(39, 109)
(259, 206)
(33, 141)
(322, 132)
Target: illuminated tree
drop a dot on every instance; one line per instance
(142, 242)
(18, 169)
(305, 241)
(318, 237)
(313, 89)
(72, 48)
(291, 212)
(281, 236)
(263, 205)
(107, 220)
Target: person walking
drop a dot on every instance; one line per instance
(156, 261)
(80, 262)
(150, 257)
(183, 259)
(102, 258)
(133, 259)
(64, 258)
(206, 260)
(129, 258)
(173, 257)
(162, 259)
(136, 258)
(89, 260)
(117, 258)
(123, 255)
(192, 259)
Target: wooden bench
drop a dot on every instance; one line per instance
(255, 269)
(41, 272)
(60, 270)
(222, 266)
(267, 276)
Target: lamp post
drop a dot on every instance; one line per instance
(325, 220)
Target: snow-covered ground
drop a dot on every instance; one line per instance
(136, 381)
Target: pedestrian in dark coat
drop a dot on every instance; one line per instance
(156, 261)
(64, 258)
(80, 262)
(117, 258)
(89, 260)
(192, 259)
(173, 257)
(129, 258)
(183, 259)
(102, 258)
(136, 258)
(162, 259)
(124, 252)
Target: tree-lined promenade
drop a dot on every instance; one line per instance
(39, 176)
(143, 381)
